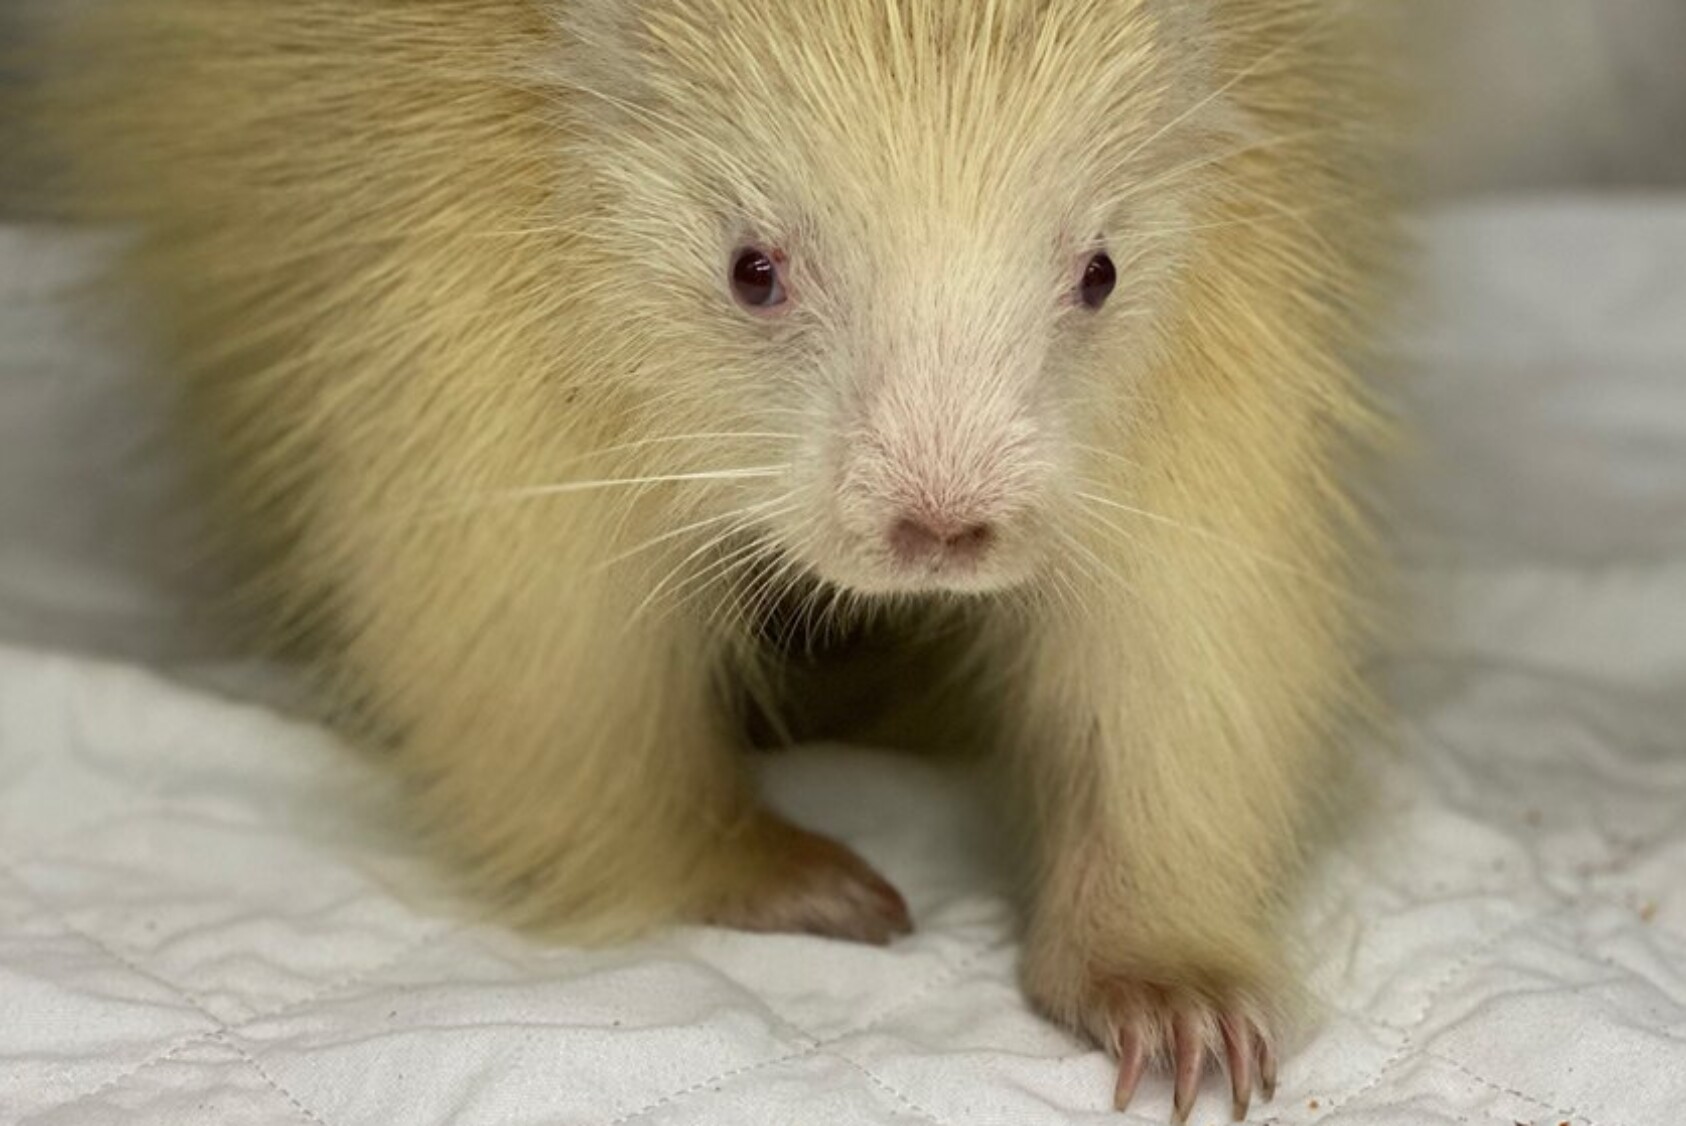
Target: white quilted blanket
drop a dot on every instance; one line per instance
(207, 917)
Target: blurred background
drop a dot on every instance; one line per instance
(1555, 93)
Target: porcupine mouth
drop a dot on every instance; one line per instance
(790, 607)
(844, 663)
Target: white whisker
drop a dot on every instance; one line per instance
(671, 439)
(699, 583)
(1252, 553)
(562, 488)
(677, 533)
(1101, 451)
(678, 571)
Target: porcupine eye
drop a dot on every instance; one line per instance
(755, 280)
(1100, 277)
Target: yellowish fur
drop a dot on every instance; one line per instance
(418, 262)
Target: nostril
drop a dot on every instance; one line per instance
(916, 540)
(912, 540)
(971, 540)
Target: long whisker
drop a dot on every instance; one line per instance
(1096, 568)
(731, 576)
(476, 504)
(764, 595)
(562, 488)
(1086, 557)
(677, 533)
(677, 573)
(699, 583)
(713, 543)
(1101, 451)
(1251, 552)
(672, 439)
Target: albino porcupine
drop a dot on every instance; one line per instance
(544, 351)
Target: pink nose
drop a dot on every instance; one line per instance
(929, 539)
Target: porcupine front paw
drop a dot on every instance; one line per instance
(791, 880)
(1166, 1022)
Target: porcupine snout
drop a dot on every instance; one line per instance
(942, 484)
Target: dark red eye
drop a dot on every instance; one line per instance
(1100, 278)
(755, 280)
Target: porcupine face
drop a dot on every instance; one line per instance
(909, 245)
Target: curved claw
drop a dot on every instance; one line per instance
(1189, 1060)
(1239, 1055)
(1267, 1068)
(1132, 1062)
